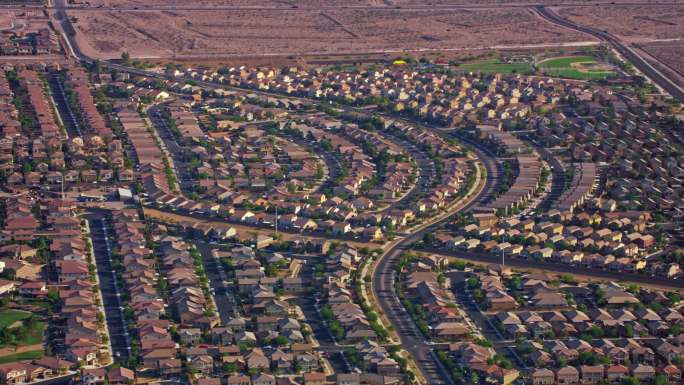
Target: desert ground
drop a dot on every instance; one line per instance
(327, 3)
(636, 23)
(670, 55)
(657, 30)
(157, 33)
(230, 3)
(287, 28)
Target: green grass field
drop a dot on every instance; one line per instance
(495, 66)
(34, 334)
(32, 355)
(8, 317)
(563, 67)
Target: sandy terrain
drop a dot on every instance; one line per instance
(667, 57)
(634, 23)
(304, 31)
(141, 4)
(232, 3)
(672, 54)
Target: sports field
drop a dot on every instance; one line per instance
(495, 66)
(575, 67)
(9, 317)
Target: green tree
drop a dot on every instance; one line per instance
(660, 379)
(630, 381)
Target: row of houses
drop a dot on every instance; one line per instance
(581, 188)
(41, 156)
(430, 95)
(39, 104)
(423, 285)
(189, 300)
(638, 147)
(9, 115)
(85, 336)
(39, 41)
(526, 182)
(595, 374)
(148, 307)
(602, 239)
(23, 372)
(481, 360)
(89, 114)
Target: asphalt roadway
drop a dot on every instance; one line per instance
(593, 272)
(175, 150)
(383, 283)
(226, 304)
(101, 234)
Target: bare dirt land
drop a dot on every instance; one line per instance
(672, 54)
(141, 4)
(156, 33)
(231, 3)
(631, 23)
(667, 57)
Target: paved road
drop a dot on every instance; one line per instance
(226, 304)
(383, 285)
(663, 81)
(558, 179)
(312, 233)
(69, 120)
(327, 344)
(101, 234)
(424, 181)
(175, 150)
(483, 323)
(600, 274)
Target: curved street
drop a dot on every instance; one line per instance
(384, 276)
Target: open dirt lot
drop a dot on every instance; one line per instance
(631, 23)
(668, 57)
(141, 4)
(245, 32)
(672, 54)
(231, 3)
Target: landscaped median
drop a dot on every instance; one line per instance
(474, 188)
(367, 268)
